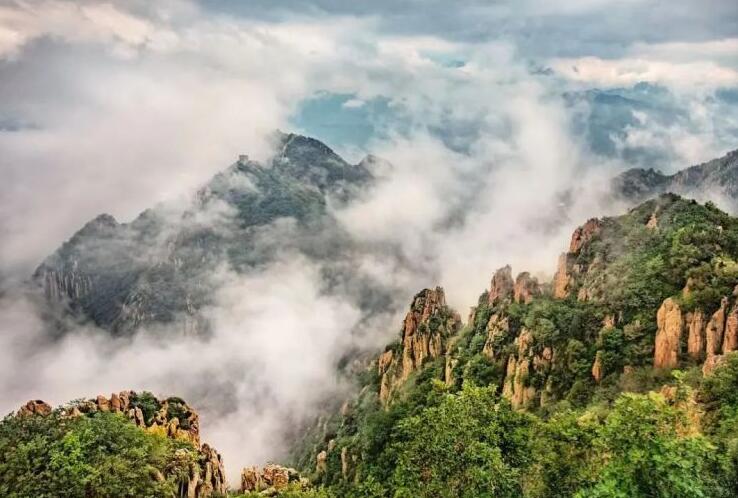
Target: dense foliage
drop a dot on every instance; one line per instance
(637, 432)
(101, 455)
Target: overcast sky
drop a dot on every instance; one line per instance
(114, 106)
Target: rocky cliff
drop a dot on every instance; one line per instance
(426, 330)
(172, 418)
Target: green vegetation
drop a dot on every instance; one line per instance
(101, 455)
(623, 436)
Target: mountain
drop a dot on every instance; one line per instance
(159, 268)
(164, 266)
(714, 179)
(579, 367)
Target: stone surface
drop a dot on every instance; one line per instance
(670, 327)
(426, 330)
(715, 329)
(730, 338)
(501, 288)
(597, 367)
(35, 407)
(526, 288)
(696, 335)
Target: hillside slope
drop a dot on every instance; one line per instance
(581, 366)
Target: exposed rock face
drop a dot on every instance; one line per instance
(526, 288)
(270, 480)
(730, 338)
(670, 326)
(517, 387)
(584, 234)
(563, 279)
(426, 329)
(715, 329)
(567, 269)
(34, 407)
(597, 367)
(696, 337)
(497, 326)
(502, 286)
(174, 419)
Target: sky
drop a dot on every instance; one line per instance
(487, 112)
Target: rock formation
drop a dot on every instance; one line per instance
(715, 329)
(730, 337)
(498, 326)
(670, 326)
(502, 286)
(34, 407)
(696, 337)
(597, 367)
(567, 269)
(270, 480)
(517, 386)
(425, 332)
(526, 288)
(173, 418)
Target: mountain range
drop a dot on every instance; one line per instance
(624, 362)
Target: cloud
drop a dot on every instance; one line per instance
(114, 107)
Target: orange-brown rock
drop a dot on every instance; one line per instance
(498, 325)
(608, 322)
(730, 338)
(584, 234)
(516, 387)
(715, 329)
(502, 286)
(526, 288)
(670, 326)
(696, 336)
(35, 407)
(269, 480)
(563, 279)
(597, 367)
(426, 329)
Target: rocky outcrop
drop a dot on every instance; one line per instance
(271, 479)
(597, 367)
(517, 386)
(706, 340)
(425, 332)
(526, 288)
(502, 286)
(670, 327)
(568, 269)
(715, 330)
(730, 337)
(563, 279)
(34, 407)
(584, 234)
(498, 326)
(696, 335)
(172, 418)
